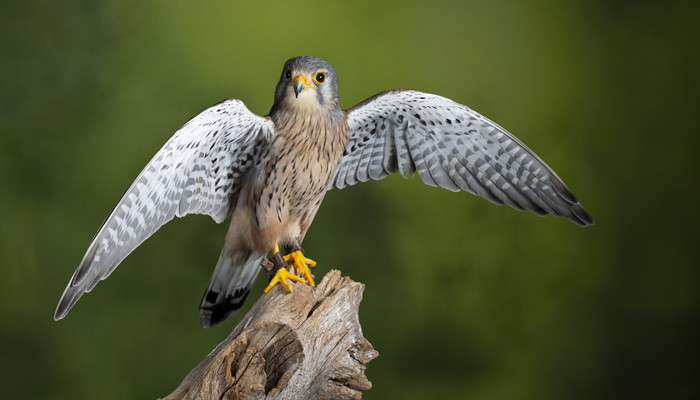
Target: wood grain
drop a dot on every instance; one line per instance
(307, 344)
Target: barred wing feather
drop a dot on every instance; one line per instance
(196, 172)
(453, 147)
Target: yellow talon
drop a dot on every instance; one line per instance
(300, 263)
(280, 277)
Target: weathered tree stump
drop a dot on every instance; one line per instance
(307, 344)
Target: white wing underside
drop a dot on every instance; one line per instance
(453, 147)
(196, 172)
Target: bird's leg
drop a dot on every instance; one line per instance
(273, 264)
(302, 264)
(281, 273)
(277, 258)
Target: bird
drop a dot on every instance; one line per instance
(270, 174)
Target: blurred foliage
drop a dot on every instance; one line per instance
(463, 299)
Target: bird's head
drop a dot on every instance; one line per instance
(307, 84)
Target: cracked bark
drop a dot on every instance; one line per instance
(307, 344)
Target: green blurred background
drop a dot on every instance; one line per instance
(463, 299)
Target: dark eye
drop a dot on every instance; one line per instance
(320, 77)
(288, 74)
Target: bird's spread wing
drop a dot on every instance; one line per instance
(196, 172)
(453, 147)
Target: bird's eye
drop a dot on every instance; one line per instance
(320, 77)
(288, 74)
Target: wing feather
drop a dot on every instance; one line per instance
(404, 162)
(376, 163)
(197, 171)
(453, 147)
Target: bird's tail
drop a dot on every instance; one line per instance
(229, 286)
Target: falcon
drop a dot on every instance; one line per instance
(271, 173)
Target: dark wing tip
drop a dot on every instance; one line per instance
(76, 285)
(64, 305)
(563, 190)
(70, 296)
(581, 216)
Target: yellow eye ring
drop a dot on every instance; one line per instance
(320, 77)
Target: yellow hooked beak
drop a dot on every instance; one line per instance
(300, 83)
